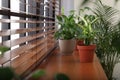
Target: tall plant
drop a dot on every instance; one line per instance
(108, 39)
(86, 25)
(86, 1)
(67, 28)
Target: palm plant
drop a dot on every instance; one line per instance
(86, 1)
(108, 39)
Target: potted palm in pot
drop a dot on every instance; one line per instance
(66, 33)
(86, 51)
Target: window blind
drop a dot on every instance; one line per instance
(27, 28)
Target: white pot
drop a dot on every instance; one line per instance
(67, 46)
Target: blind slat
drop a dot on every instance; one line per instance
(24, 30)
(16, 52)
(28, 30)
(23, 21)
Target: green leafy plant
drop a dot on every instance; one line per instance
(3, 49)
(38, 73)
(86, 23)
(67, 28)
(61, 76)
(7, 73)
(42, 75)
(108, 39)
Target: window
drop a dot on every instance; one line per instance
(27, 28)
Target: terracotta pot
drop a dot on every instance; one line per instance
(67, 46)
(86, 53)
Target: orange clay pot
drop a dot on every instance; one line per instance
(86, 53)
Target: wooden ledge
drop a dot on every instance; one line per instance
(71, 66)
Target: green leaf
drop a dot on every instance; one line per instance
(84, 2)
(3, 49)
(61, 76)
(71, 17)
(64, 17)
(37, 74)
(72, 12)
(116, 41)
(6, 73)
(59, 18)
(62, 10)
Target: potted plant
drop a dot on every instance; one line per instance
(66, 33)
(7, 73)
(87, 50)
(41, 74)
(108, 38)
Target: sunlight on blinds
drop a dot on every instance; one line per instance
(0, 29)
(14, 26)
(27, 27)
(0, 24)
(0, 4)
(14, 5)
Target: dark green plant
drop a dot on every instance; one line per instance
(61, 76)
(67, 28)
(41, 75)
(7, 73)
(38, 73)
(88, 32)
(108, 38)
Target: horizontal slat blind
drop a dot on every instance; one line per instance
(27, 27)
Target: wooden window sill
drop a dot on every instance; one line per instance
(71, 66)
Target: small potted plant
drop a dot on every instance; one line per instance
(7, 73)
(66, 33)
(87, 49)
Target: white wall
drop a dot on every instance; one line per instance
(68, 5)
(77, 5)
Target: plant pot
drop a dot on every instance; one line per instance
(67, 46)
(86, 53)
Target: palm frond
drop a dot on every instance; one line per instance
(106, 13)
(84, 2)
(108, 38)
(87, 1)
